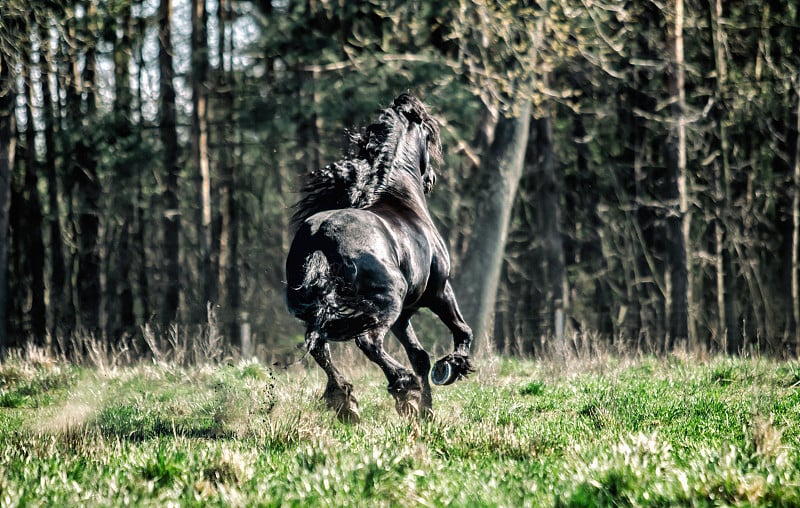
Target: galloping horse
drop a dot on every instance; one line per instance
(366, 256)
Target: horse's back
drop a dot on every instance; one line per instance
(356, 241)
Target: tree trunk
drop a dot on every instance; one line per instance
(230, 233)
(679, 221)
(7, 151)
(34, 245)
(89, 191)
(200, 158)
(229, 227)
(122, 319)
(169, 139)
(58, 276)
(728, 324)
(140, 229)
(69, 117)
(553, 247)
(795, 256)
(499, 176)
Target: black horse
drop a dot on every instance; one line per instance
(366, 256)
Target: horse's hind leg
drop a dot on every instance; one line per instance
(420, 361)
(338, 392)
(403, 384)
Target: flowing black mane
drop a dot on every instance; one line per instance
(361, 178)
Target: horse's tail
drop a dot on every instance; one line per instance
(331, 310)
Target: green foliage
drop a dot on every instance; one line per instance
(165, 468)
(644, 433)
(532, 388)
(225, 401)
(33, 386)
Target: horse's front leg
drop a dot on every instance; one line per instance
(457, 364)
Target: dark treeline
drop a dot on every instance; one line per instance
(626, 172)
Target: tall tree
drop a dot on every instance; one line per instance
(141, 226)
(169, 140)
(794, 257)
(7, 152)
(58, 276)
(503, 48)
(679, 220)
(34, 246)
(200, 156)
(499, 176)
(229, 225)
(728, 329)
(555, 298)
(87, 180)
(123, 103)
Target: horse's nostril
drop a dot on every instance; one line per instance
(442, 373)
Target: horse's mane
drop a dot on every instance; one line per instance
(358, 180)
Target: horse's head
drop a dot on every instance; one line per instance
(406, 137)
(427, 135)
(394, 155)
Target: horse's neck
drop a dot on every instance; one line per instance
(407, 189)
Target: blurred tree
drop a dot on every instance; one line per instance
(83, 112)
(124, 167)
(228, 249)
(200, 155)
(12, 17)
(169, 139)
(628, 169)
(677, 192)
(727, 325)
(34, 246)
(58, 298)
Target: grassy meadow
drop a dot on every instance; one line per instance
(599, 431)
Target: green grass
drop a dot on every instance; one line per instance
(601, 432)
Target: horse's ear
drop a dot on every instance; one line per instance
(428, 179)
(410, 107)
(411, 114)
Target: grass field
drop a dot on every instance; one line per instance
(590, 432)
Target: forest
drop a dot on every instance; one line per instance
(617, 174)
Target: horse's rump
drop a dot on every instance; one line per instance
(323, 298)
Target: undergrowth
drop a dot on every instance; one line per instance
(594, 432)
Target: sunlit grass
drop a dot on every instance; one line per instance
(569, 432)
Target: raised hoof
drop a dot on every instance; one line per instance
(450, 369)
(442, 373)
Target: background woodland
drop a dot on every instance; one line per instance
(617, 173)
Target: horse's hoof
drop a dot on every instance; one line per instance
(407, 404)
(443, 373)
(348, 413)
